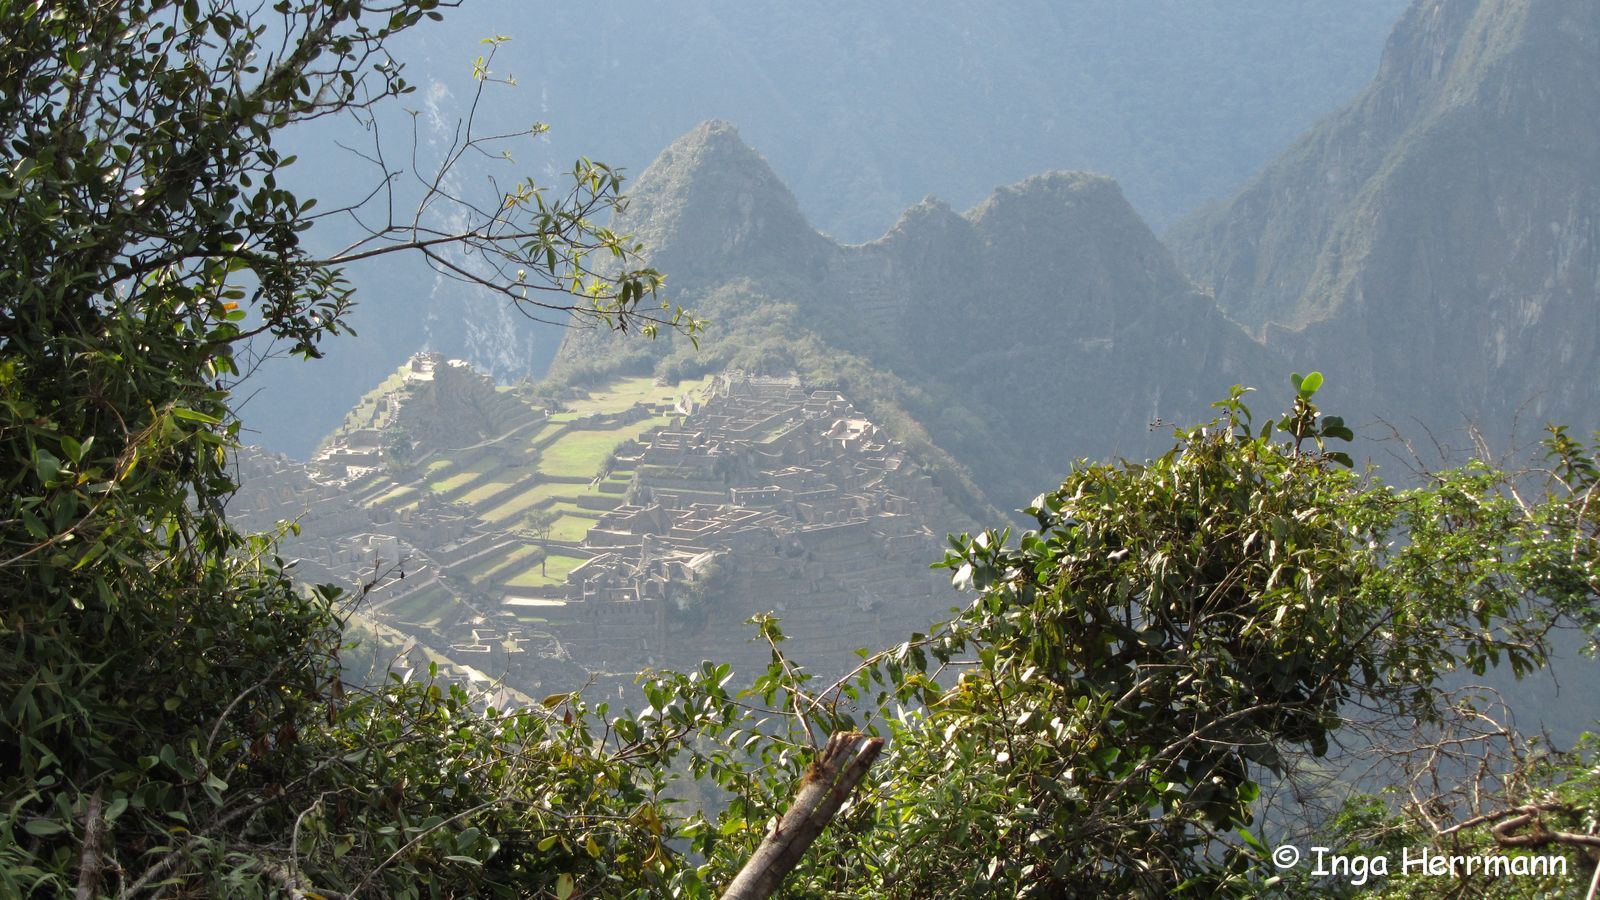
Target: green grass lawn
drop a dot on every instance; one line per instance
(508, 512)
(450, 482)
(400, 494)
(510, 563)
(494, 485)
(426, 607)
(637, 429)
(556, 569)
(571, 527)
(548, 431)
(367, 482)
(625, 392)
(622, 393)
(578, 453)
(568, 507)
(485, 570)
(464, 471)
(581, 452)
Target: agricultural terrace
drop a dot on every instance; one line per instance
(550, 467)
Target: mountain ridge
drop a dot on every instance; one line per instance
(1453, 203)
(970, 313)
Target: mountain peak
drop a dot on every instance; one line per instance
(1098, 244)
(713, 143)
(709, 198)
(1439, 229)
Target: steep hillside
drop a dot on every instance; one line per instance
(1044, 325)
(1437, 243)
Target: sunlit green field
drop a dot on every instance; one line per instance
(463, 472)
(571, 528)
(398, 495)
(506, 514)
(556, 569)
(509, 475)
(625, 392)
(426, 607)
(578, 453)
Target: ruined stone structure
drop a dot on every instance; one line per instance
(800, 504)
(760, 496)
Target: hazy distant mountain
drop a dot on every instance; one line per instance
(862, 108)
(1044, 325)
(1436, 244)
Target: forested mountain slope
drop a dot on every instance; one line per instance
(1436, 245)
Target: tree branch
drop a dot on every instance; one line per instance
(832, 778)
(91, 862)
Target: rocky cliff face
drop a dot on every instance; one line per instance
(1437, 243)
(1044, 325)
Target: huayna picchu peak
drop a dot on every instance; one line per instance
(1054, 278)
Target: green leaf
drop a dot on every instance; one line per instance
(43, 827)
(118, 806)
(46, 465)
(194, 416)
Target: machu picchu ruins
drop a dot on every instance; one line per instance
(545, 545)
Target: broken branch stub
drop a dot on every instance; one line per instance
(832, 779)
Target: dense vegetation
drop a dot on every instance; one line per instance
(1176, 638)
(172, 702)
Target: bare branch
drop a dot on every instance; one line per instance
(833, 776)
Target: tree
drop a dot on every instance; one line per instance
(539, 522)
(399, 450)
(173, 715)
(1177, 637)
(159, 669)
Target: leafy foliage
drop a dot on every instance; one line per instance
(1176, 636)
(174, 717)
(171, 701)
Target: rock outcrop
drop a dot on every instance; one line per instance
(1435, 246)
